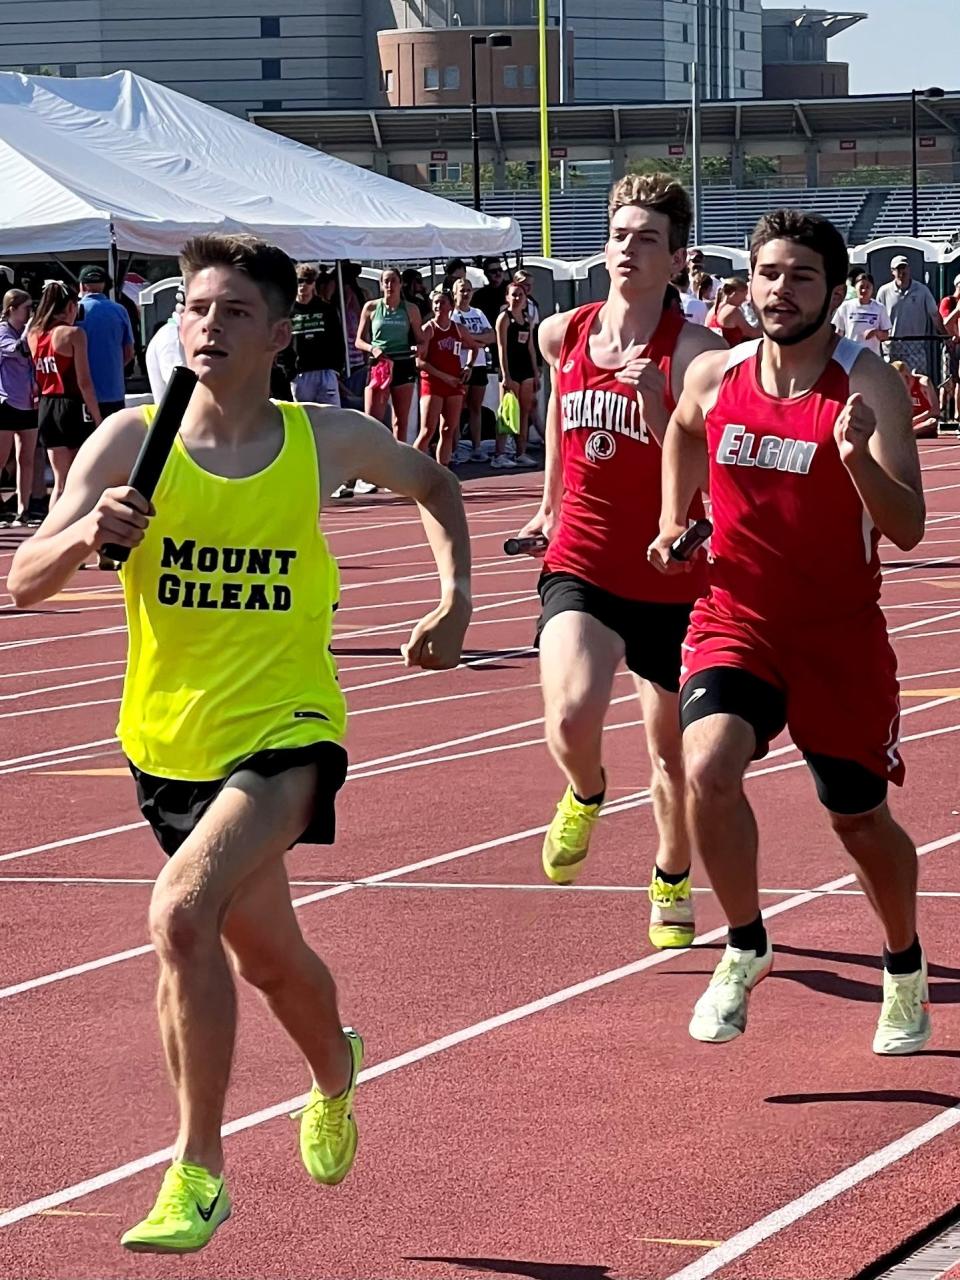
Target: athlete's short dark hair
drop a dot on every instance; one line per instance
(267, 266)
(661, 193)
(812, 231)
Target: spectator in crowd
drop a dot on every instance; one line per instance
(518, 367)
(491, 297)
(473, 321)
(165, 350)
(913, 315)
(853, 275)
(316, 354)
(137, 360)
(109, 335)
(354, 299)
(862, 318)
(415, 291)
(726, 317)
(696, 265)
(923, 400)
(442, 377)
(455, 270)
(703, 286)
(692, 307)
(18, 400)
(390, 333)
(950, 389)
(64, 380)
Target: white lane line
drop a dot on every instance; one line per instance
(50, 764)
(773, 1223)
(927, 635)
(110, 1177)
(57, 751)
(623, 805)
(67, 706)
(49, 671)
(924, 622)
(58, 688)
(69, 841)
(34, 641)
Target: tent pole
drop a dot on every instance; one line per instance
(63, 266)
(343, 321)
(114, 261)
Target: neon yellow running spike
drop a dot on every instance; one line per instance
(191, 1205)
(328, 1131)
(567, 842)
(671, 913)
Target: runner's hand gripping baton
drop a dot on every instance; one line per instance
(691, 540)
(524, 546)
(157, 444)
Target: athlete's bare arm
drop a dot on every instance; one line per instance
(685, 455)
(351, 444)
(874, 434)
(96, 506)
(550, 335)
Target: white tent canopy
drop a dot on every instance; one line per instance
(84, 160)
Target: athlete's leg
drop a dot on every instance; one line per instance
(449, 427)
(661, 722)
(578, 659)
(26, 447)
(375, 401)
(250, 824)
(430, 406)
(61, 460)
(474, 405)
(723, 830)
(402, 398)
(526, 404)
(886, 861)
(263, 937)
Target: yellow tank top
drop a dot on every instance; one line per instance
(230, 601)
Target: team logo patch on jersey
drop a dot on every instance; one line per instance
(600, 446)
(567, 367)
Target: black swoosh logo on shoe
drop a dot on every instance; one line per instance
(207, 1214)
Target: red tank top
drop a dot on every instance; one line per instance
(56, 373)
(732, 337)
(918, 399)
(610, 463)
(792, 543)
(443, 350)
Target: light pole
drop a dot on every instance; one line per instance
(495, 40)
(932, 92)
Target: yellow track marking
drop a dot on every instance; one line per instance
(930, 693)
(700, 1244)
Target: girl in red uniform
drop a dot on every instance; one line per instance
(59, 350)
(441, 378)
(726, 318)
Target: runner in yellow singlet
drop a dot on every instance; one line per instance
(232, 718)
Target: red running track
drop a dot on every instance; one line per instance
(532, 1104)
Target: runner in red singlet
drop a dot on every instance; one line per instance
(441, 378)
(811, 459)
(617, 366)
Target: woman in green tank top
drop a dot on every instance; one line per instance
(390, 332)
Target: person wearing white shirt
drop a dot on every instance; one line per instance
(694, 309)
(165, 351)
(478, 326)
(863, 319)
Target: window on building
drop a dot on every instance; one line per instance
(438, 173)
(270, 69)
(529, 77)
(743, 40)
(386, 81)
(511, 77)
(269, 27)
(686, 73)
(451, 77)
(272, 104)
(522, 13)
(743, 79)
(431, 77)
(743, 6)
(494, 13)
(685, 36)
(68, 70)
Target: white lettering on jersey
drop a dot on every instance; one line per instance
(609, 411)
(738, 447)
(47, 364)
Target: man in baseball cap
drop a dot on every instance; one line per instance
(914, 317)
(110, 343)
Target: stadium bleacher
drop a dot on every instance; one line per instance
(579, 218)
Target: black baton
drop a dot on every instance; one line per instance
(518, 546)
(691, 540)
(157, 444)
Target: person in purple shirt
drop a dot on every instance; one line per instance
(18, 400)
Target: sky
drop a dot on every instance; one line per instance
(901, 45)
